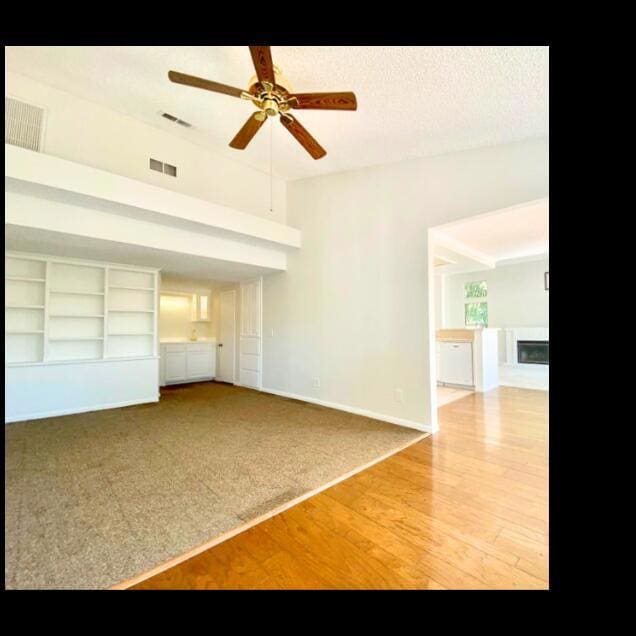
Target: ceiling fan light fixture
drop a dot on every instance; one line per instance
(270, 106)
(271, 93)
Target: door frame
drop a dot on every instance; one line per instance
(233, 293)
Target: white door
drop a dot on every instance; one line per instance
(250, 334)
(227, 337)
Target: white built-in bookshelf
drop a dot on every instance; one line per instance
(62, 310)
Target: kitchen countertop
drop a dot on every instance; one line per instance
(460, 335)
(455, 335)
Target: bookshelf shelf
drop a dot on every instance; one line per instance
(74, 339)
(76, 315)
(23, 333)
(147, 333)
(25, 279)
(61, 310)
(75, 293)
(147, 289)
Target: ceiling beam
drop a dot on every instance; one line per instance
(443, 240)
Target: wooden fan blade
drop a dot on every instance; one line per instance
(208, 85)
(250, 128)
(262, 58)
(303, 137)
(324, 101)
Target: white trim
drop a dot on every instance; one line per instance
(431, 363)
(47, 309)
(34, 256)
(461, 248)
(88, 409)
(106, 318)
(503, 262)
(426, 428)
(11, 365)
(510, 208)
(166, 565)
(236, 344)
(260, 331)
(155, 316)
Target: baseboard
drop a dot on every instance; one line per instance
(73, 411)
(427, 428)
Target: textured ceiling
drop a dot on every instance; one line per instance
(517, 232)
(412, 101)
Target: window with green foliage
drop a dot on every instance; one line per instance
(476, 304)
(476, 289)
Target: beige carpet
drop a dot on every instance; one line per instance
(97, 498)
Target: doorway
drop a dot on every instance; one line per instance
(489, 324)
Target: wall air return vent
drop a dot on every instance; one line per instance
(23, 124)
(166, 168)
(170, 170)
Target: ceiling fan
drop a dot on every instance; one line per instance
(271, 93)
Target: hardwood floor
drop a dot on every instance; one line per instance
(464, 508)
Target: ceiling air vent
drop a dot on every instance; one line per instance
(176, 120)
(23, 124)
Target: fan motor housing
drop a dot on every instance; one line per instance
(270, 106)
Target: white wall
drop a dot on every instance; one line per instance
(440, 298)
(516, 295)
(354, 308)
(87, 133)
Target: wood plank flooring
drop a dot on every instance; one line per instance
(466, 508)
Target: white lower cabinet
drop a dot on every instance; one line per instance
(187, 362)
(455, 363)
(174, 364)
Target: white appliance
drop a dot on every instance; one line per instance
(455, 363)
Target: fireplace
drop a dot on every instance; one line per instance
(533, 351)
